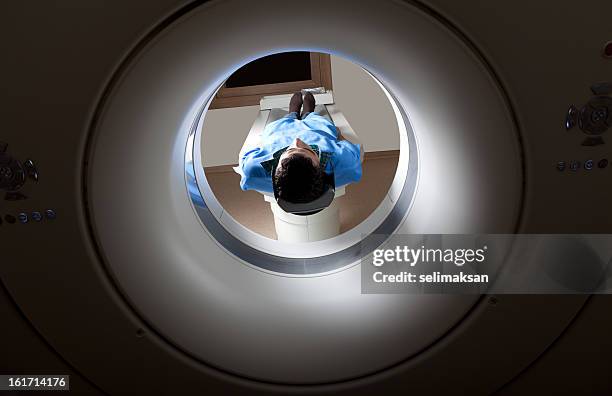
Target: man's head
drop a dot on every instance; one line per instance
(298, 177)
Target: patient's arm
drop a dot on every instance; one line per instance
(341, 137)
(346, 162)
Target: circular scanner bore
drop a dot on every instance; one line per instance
(205, 297)
(308, 258)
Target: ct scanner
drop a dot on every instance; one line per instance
(133, 281)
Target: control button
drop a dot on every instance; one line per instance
(602, 163)
(10, 219)
(574, 165)
(595, 117)
(50, 214)
(588, 164)
(561, 166)
(6, 172)
(23, 218)
(36, 216)
(599, 114)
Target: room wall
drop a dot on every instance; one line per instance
(356, 94)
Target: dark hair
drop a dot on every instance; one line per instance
(298, 180)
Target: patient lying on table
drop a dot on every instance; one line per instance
(300, 148)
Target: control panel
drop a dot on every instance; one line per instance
(25, 217)
(14, 175)
(587, 165)
(595, 117)
(593, 120)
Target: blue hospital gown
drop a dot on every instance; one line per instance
(314, 130)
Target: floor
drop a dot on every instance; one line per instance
(250, 209)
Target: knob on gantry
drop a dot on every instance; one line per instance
(13, 174)
(595, 117)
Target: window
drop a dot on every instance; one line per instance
(273, 75)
